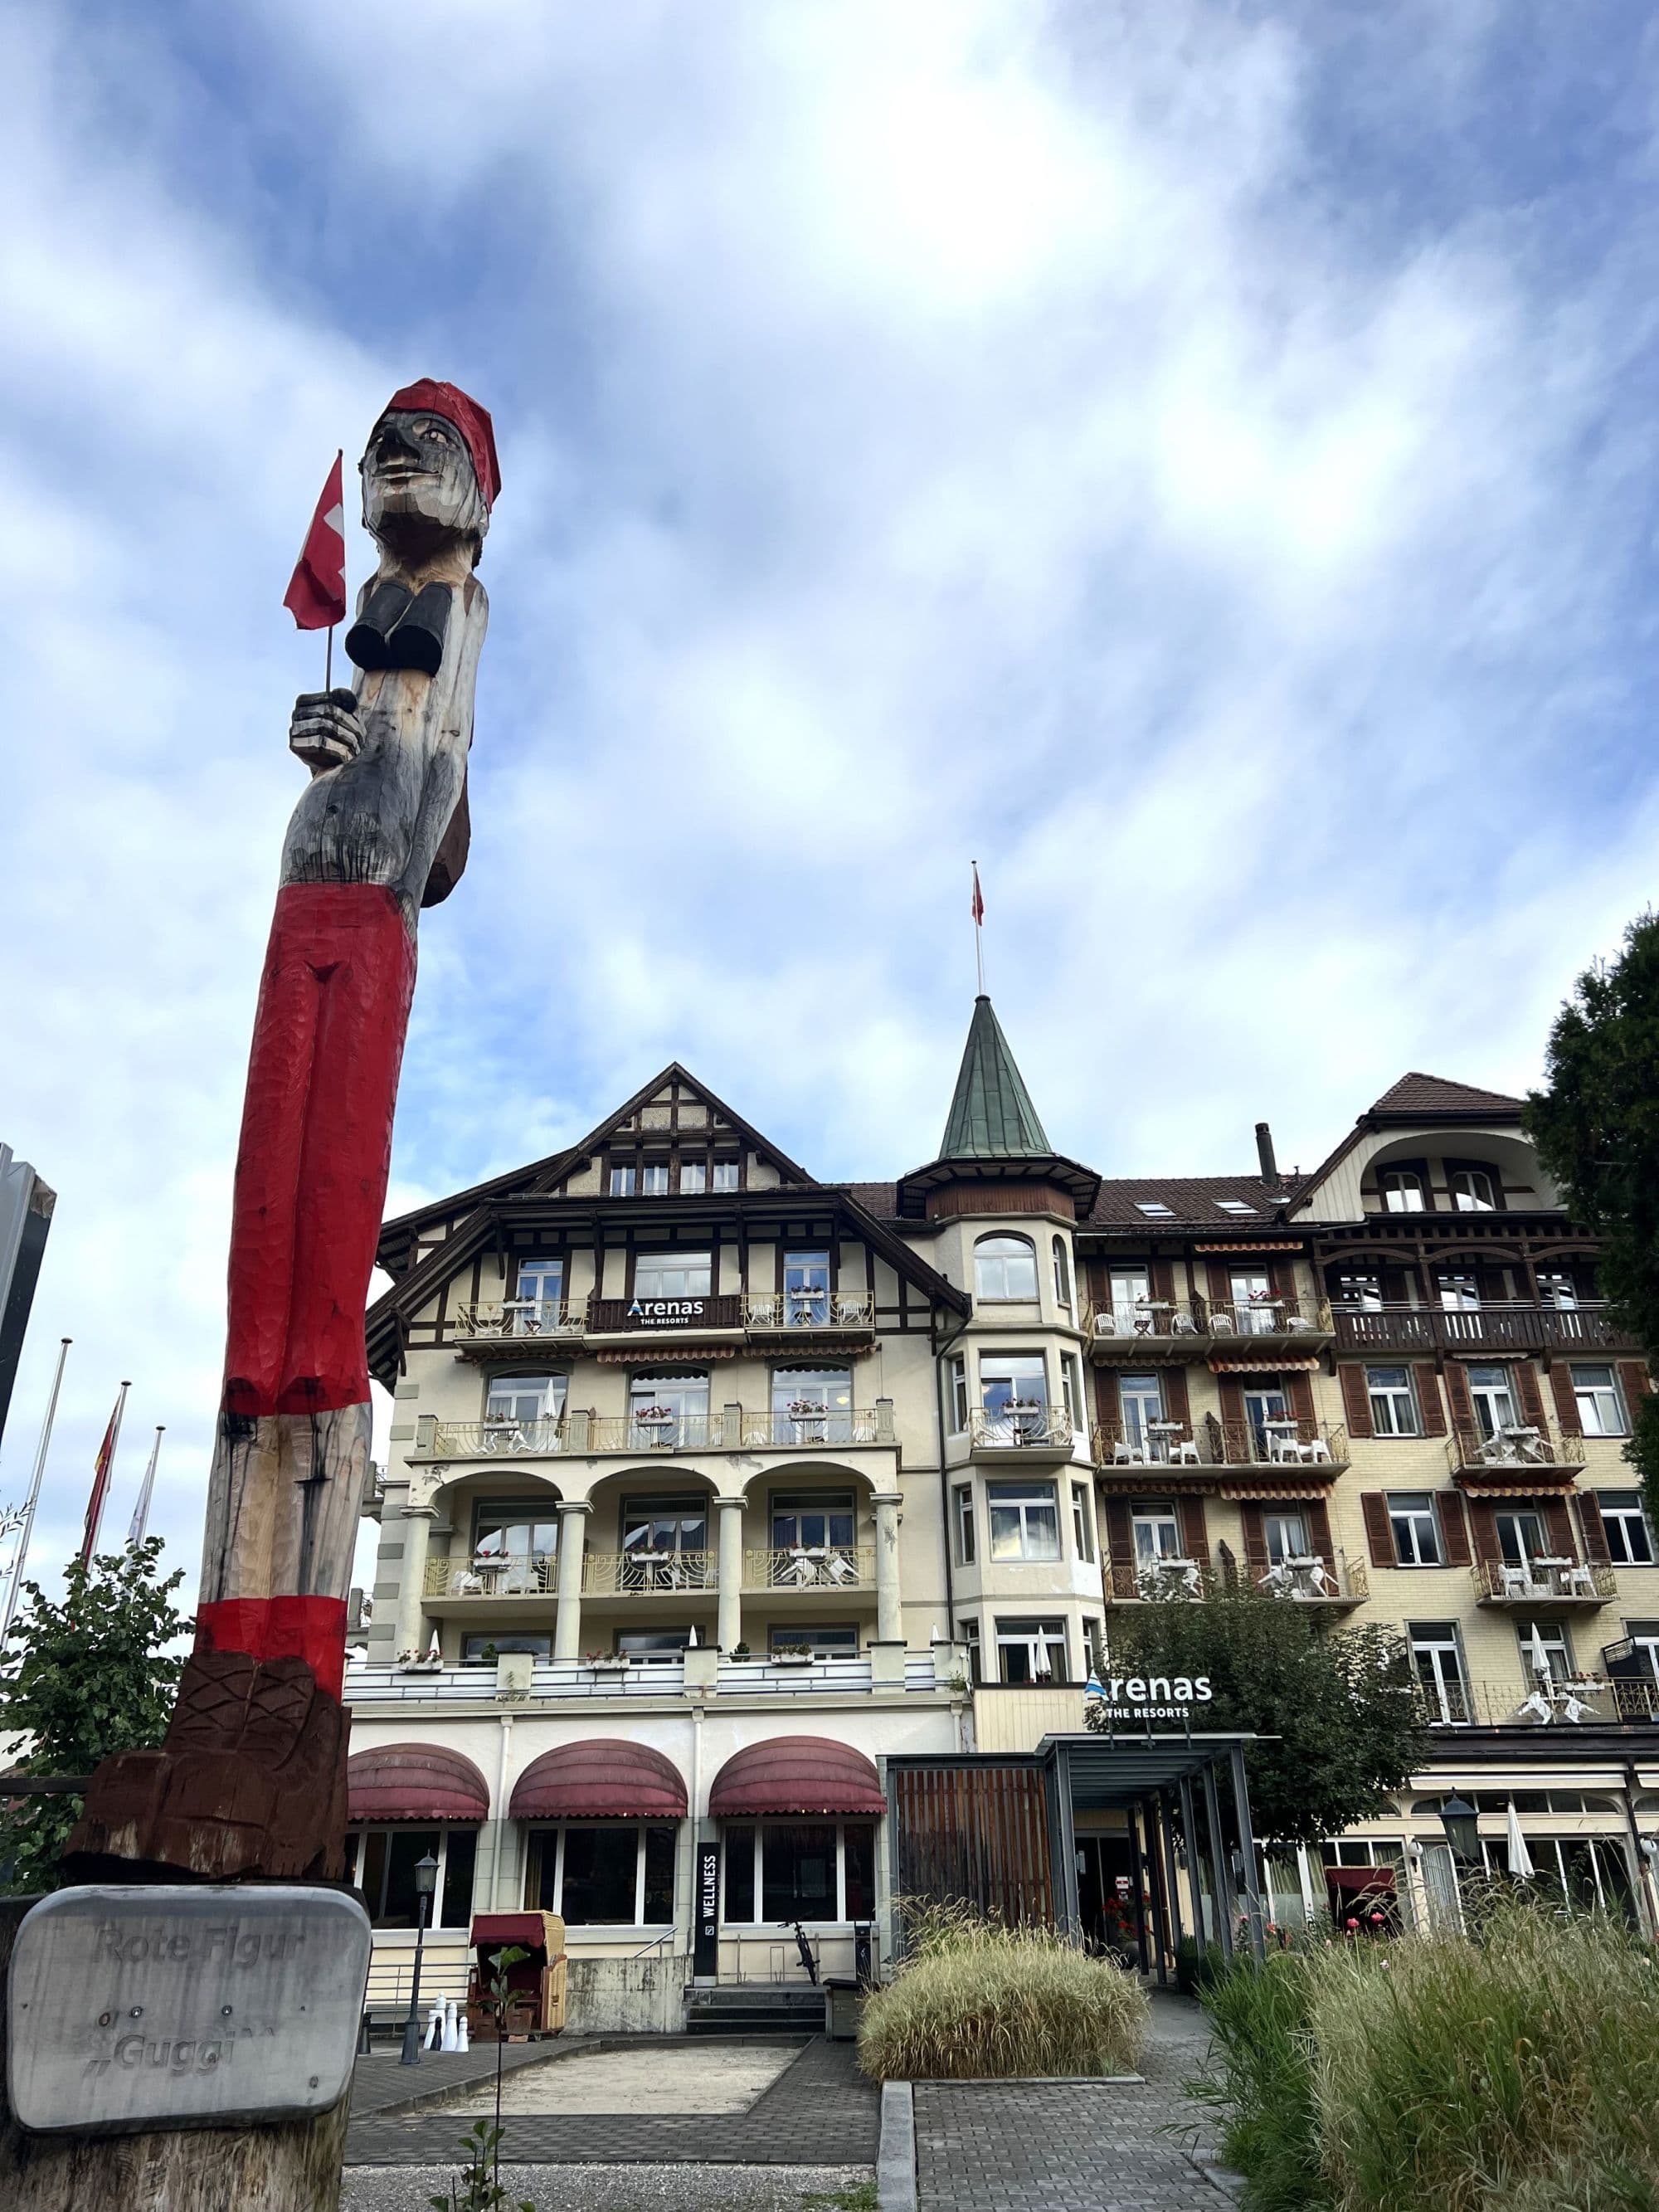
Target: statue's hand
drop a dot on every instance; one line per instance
(326, 730)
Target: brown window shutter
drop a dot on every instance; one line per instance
(1255, 1540)
(1232, 1400)
(1378, 1535)
(1109, 1404)
(1195, 1536)
(1221, 1283)
(1319, 1527)
(1161, 1273)
(1457, 1394)
(1484, 1531)
(1356, 1401)
(1566, 1406)
(1531, 1399)
(1634, 1381)
(1595, 1534)
(1177, 1404)
(1120, 1535)
(1558, 1521)
(1431, 1411)
(1454, 1528)
(1299, 1391)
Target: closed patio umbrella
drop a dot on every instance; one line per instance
(1520, 1857)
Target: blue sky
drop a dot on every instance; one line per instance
(1198, 459)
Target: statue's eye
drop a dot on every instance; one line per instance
(435, 431)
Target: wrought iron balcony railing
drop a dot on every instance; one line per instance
(1277, 1318)
(490, 1577)
(1577, 1700)
(1310, 1579)
(1144, 1320)
(646, 1574)
(811, 1567)
(833, 1425)
(1533, 1583)
(559, 1320)
(1016, 1428)
(1514, 1449)
(1211, 1443)
(832, 1311)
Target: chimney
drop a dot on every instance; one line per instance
(1264, 1152)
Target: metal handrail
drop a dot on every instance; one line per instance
(1467, 1448)
(835, 1424)
(1142, 1319)
(647, 1574)
(1503, 1582)
(809, 1309)
(1042, 1425)
(1215, 1443)
(490, 1577)
(1292, 1316)
(521, 1317)
(811, 1567)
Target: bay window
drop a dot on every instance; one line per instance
(1005, 1269)
(1031, 1651)
(1024, 1520)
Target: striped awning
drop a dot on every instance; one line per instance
(1518, 1485)
(1272, 1492)
(632, 1356)
(1221, 1365)
(415, 1782)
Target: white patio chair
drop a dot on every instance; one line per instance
(1183, 1453)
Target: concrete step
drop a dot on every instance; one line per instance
(755, 2008)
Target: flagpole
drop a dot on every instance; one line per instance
(102, 1479)
(13, 1587)
(140, 1520)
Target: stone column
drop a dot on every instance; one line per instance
(411, 1588)
(572, 1540)
(729, 1566)
(890, 1619)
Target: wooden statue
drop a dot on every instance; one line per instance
(251, 1779)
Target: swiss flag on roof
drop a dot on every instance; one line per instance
(316, 595)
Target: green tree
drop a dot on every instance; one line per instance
(1339, 1703)
(81, 1678)
(1596, 1130)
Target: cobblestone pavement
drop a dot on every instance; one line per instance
(1072, 2146)
(819, 2112)
(620, 2188)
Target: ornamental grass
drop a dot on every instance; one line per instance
(973, 2000)
(1446, 2074)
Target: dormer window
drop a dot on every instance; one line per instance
(1472, 1191)
(1154, 1209)
(1401, 1189)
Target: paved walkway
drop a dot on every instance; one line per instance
(1072, 2146)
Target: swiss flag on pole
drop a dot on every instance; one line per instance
(316, 596)
(979, 903)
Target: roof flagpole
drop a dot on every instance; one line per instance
(979, 931)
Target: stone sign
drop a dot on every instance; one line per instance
(140, 2007)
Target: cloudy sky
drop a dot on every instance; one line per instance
(1196, 458)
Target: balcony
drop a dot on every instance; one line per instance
(1150, 1332)
(577, 1682)
(1154, 1581)
(490, 1578)
(1324, 1585)
(833, 1425)
(647, 1574)
(809, 1313)
(1321, 1445)
(1027, 1432)
(835, 1567)
(1274, 1324)
(1515, 1455)
(496, 1328)
(517, 1320)
(1543, 1585)
(842, 1569)
(1574, 1701)
(1495, 1329)
(582, 1435)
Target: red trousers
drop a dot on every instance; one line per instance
(316, 1148)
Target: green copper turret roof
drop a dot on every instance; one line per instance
(992, 1116)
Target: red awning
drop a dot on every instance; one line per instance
(602, 1779)
(1360, 1878)
(529, 1929)
(795, 1774)
(415, 1782)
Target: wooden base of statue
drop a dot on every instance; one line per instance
(292, 2166)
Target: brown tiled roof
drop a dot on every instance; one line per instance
(1418, 1093)
(1191, 1199)
(880, 1199)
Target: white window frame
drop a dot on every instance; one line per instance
(727, 1176)
(1602, 1411)
(1083, 1523)
(760, 1823)
(1287, 1533)
(1550, 1639)
(968, 1636)
(1036, 1506)
(1132, 1404)
(1398, 1188)
(1389, 1399)
(1484, 1397)
(1062, 1275)
(992, 1267)
(659, 1265)
(962, 1522)
(1073, 1404)
(654, 1179)
(557, 1830)
(540, 1281)
(1150, 1521)
(1049, 1632)
(1154, 1209)
(548, 1393)
(1131, 1290)
(693, 1178)
(1468, 1199)
(1413, 1512)
(1622, 1520)
(958, 1393)
(622, 1182)
(1438, 1644)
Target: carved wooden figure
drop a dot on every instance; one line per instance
(251, 1776)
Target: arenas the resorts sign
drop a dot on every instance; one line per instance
(1140, 1699)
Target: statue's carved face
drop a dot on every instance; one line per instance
(418, 477)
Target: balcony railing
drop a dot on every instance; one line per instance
(1152, 1582)
(1146, 1321)
(646, 1574)
(1213, 1443)
(1568, 1701)
(831, 1311)
(833, 1425)
(581, 1434)
(1511, 1450)
(1309, 1580)
(1279, 1319)
(490, 1577)
(1504, 1328)
(812, 1566)
(556, 1319)
(1543, 1581)
(1017, 1429)
(577, 1680)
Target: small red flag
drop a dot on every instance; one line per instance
(102, 1470)
(316, 596)
(979, 903)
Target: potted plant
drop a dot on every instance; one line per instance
(607, 1663)
(739, 1651)
(793, 1655)
(420, 1663)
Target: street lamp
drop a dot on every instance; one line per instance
(426, 1888)
(1462, 1826)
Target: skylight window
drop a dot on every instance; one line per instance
(1235, 1205)
(1154, 1209)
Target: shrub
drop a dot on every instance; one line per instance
(973, 1999)
(1261, 2077)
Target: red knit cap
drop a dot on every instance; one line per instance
(469, 419)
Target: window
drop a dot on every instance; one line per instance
(1132, 1290)
(1264, 1402)
(1458, 1290)
(968, 1636)
(1393, 1407)
(1094, 1645)
(384, 1860)
(603, 1873)
(694, 1178)
(805, 1870)
(1557, 1289)
(541, 1282)
(486, 1646)
(1156, 1530)
(1644, 1635)
(1031, 1651)
(1063, 1276)
(1235, 1205)
(812, 1521)
(653, 1181)
(961, 1500)
(958, 1393)
(621, 1183)
(1083, 1534)
(1154, 1209)
(1472, 1191)
(1024, 1520)
(1544, 1650)
(1004, 1268)
(1013, 1386)
(656, 1532)
(1401, 1189)
(1438, 1660)
(727, 1174)
(1629, 1540)
(1286, 1535)
(1416, 1529)
(825, 1640)
(673, 1275)
(1255, 1311)
(1360, 1293)
(1493, 1399)
(517, 1535)
(1141, 1397)
(805, 1289)
(665, 1410)
(518, 1403)
(652, 1646)
(813, 1404)
(1521, 1536)
(1601, 1408)
(1070, 1389)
